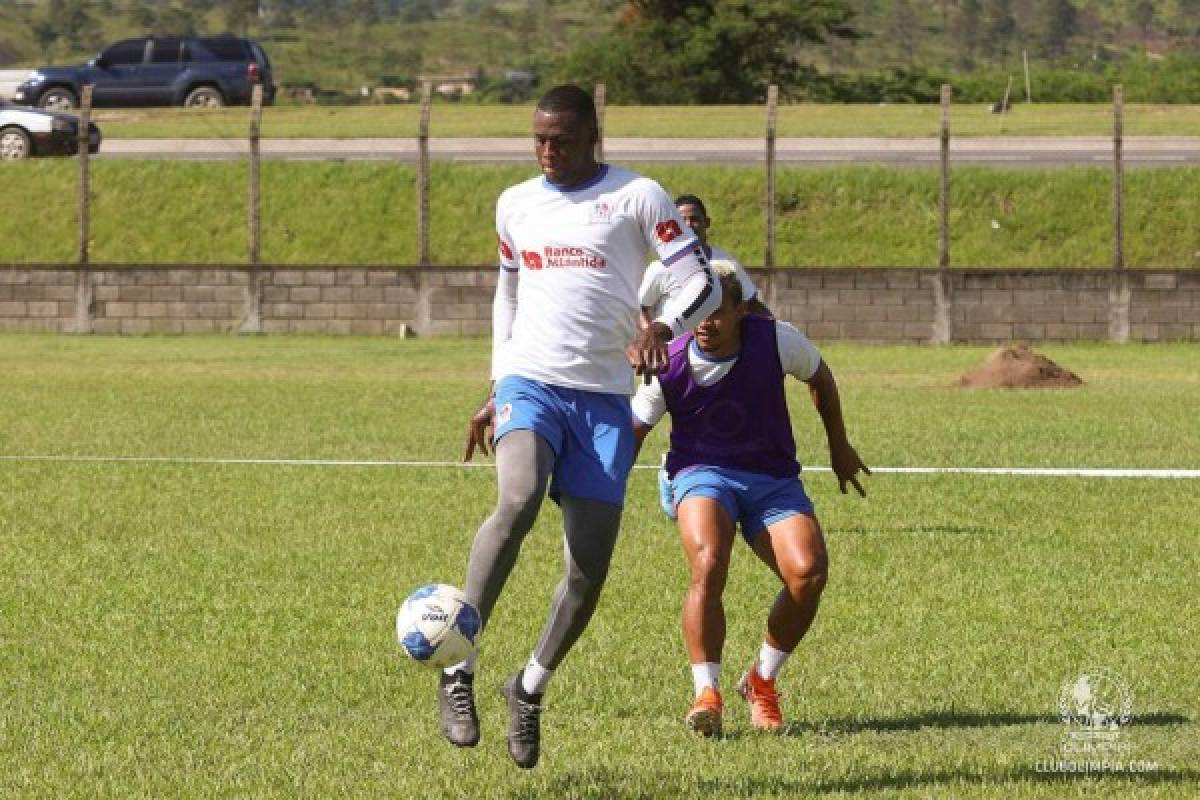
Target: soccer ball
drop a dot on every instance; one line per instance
(437, 626)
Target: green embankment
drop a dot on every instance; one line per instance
(364, 213)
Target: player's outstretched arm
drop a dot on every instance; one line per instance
(843, 458)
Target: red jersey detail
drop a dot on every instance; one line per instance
(505, 250)
(532, 260)
(666, 231)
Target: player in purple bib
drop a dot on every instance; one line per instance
(733, 461)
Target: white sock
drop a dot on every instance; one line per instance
(770, 661)
(705, 675)
(535, 677)
(467, 666)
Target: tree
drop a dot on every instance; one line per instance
(969, 30)
(1057, 22)
(710, 51)
(902, 28)
(1142, 15)
(999, 25)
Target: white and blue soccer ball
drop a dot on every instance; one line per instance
(437, 626)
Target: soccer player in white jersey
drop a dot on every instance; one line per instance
(656, 283)
(733, 460)
(573, 244)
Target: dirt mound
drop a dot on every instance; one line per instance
(1018, 368)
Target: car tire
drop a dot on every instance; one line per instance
(15, 144)
(58, 99)
(204, 97)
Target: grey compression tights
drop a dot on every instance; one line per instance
(524, 462)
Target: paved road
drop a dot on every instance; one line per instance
(1021, 152)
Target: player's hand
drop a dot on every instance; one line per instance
(478, 433)
(647, 353)
(846, 466)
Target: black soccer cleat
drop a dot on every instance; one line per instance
(524, 723)
(456, 705)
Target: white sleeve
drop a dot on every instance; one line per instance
(749, 290)
(504, 311)
(797, 354)
(698, 293)
(504, 305)
(649, 405)
(697, 297)
(654, 285)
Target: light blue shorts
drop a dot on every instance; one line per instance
(591, 434)
(752, 499)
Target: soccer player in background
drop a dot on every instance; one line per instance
(656, 283)
(573, 244)
(733, 461)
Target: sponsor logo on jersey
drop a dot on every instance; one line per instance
(555, 257)
(505, 251)
(666, 231)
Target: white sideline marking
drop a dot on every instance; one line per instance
(1045, 472)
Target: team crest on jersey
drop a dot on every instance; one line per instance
(600, 214)
(504, 413)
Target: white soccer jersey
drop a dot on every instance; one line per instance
(656, 283)
(797, 355)
(577, 256)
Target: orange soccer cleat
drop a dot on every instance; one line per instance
(705, 715)
(760, 693)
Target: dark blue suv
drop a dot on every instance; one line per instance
(197, 71)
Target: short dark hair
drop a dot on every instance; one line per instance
(692, 200)
(569, 98)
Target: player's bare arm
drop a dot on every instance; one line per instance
(843, 458)
(480, 428)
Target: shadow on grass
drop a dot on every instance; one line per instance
(603, 783)
(954, 719)
(952, 530)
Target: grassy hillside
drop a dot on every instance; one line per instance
(363, 212)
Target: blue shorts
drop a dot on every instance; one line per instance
(750, 498)
(591, 434)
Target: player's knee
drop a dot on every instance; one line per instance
(518, 505)
(808, 577)
(709, 569)
(587, 585)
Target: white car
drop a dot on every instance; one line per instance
(26, 132)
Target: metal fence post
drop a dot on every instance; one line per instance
(601, 100)
(943, 328)
(83, 275)
(1118, 294)
(423, 175)
(252, 317)
(772, 111)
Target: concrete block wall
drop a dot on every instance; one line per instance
(870, 305)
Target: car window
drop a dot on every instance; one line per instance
(226, 49)
(196, 51)
(130, 51)
(166, 51)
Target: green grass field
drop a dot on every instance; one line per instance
(458, 120)
(364, 213)
(209, 630)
